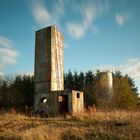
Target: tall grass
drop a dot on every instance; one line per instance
(92, 124)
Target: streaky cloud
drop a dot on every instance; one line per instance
(130, 67)
(123, 17)
(45, 17)
(8, 55)
(90, 11)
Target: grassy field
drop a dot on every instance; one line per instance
(91, 125)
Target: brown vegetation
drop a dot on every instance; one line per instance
(92, 124)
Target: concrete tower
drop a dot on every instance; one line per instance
(110, 82)
(50, 96)
(106, 82)
(49, 69)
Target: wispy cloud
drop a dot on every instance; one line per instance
(41, 13)
(8, 55)
(76, 30)
(1, 74)
(5, 42)
(25, 73)
(44, 16)
(90, 11)
(66, 45)
(131, 67)
(59, 9)
(122, 18)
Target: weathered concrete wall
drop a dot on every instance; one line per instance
(77, 101)
(57, 68)
(43, 60)
(49, 68)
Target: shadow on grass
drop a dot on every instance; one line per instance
(6, 137)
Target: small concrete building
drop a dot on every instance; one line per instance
(59, 102)
(49, 95)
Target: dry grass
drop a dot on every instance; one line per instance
(90, 125)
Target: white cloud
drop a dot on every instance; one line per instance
(5, 42)
(1, 74)
(8, 55)
(132, 68)
(122, 18)
(66, 45)
(9, 52)
(25, 73)
(8, 60)
(40, 13)
(76, 30)
(90, 11)
(43, 16)
(59, 9)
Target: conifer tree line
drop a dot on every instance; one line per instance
(124, 94)
(18, 92)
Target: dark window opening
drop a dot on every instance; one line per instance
(78, 95)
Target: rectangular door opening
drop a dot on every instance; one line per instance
(63, 104)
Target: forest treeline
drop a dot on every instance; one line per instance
(124, 94)
(18, 92)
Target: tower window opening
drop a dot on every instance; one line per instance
(78, 95)
(60, 98)
(44, 100)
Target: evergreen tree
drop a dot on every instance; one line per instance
(89, 77)
(132, 84)
(69, 82)
(75, 81)
(24, 90)
(17, 93)
(81, 81)
(88, 89)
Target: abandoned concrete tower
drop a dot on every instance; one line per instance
(50, 96)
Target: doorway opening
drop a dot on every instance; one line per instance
(63, 104)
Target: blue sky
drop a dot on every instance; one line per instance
(98, 34)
